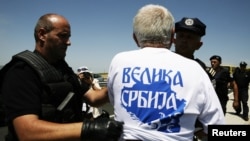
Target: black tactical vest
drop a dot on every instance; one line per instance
(62, 96)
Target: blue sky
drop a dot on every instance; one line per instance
(102, 28)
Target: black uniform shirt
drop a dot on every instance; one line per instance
(242, 79)
(21, 89)
(222, 78)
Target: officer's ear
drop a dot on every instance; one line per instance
(199, 44)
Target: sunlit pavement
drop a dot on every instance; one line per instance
(3, 132)
(231, 117)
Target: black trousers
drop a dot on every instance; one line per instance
(243, 98)
(223, 102)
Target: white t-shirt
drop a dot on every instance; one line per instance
(96, 83)
(159, 94)
(96, 111)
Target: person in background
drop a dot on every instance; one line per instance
(189, 32)
(94, 83)
(188, 35)
(152, 88)
(86, 77)
(242, 79)
(222, 79)
(43, 95)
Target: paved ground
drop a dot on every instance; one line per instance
(3, 131)
(230, 116)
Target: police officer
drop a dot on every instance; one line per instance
(242, 78)
(43, 96)
(189, 32)
(222, 78)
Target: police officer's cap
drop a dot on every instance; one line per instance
(217, 57)
(191, 24)
(242, 63)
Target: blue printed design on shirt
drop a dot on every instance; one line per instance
(153, 103)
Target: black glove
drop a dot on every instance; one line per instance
(101, 129)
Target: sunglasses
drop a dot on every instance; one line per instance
(82, 69)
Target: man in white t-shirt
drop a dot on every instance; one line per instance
(154, 91)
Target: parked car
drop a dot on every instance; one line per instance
(98, 77)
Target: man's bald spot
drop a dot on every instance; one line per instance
(56, 18)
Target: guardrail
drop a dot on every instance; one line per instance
(103, 84)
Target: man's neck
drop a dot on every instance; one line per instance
(154, 45)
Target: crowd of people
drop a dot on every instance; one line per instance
(152, 91)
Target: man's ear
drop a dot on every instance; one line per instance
(135, 39)
(173, 36)
(42, 34)
(172, 40)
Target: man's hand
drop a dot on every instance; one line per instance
(86, 78)
(101, 129)
(235, 105)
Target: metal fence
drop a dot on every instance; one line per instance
(103, 83)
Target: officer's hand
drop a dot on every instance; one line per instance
(235, 105)
(101, 129)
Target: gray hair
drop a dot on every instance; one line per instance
(153, 24)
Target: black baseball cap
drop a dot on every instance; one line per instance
(191, 24)
(217, 57)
